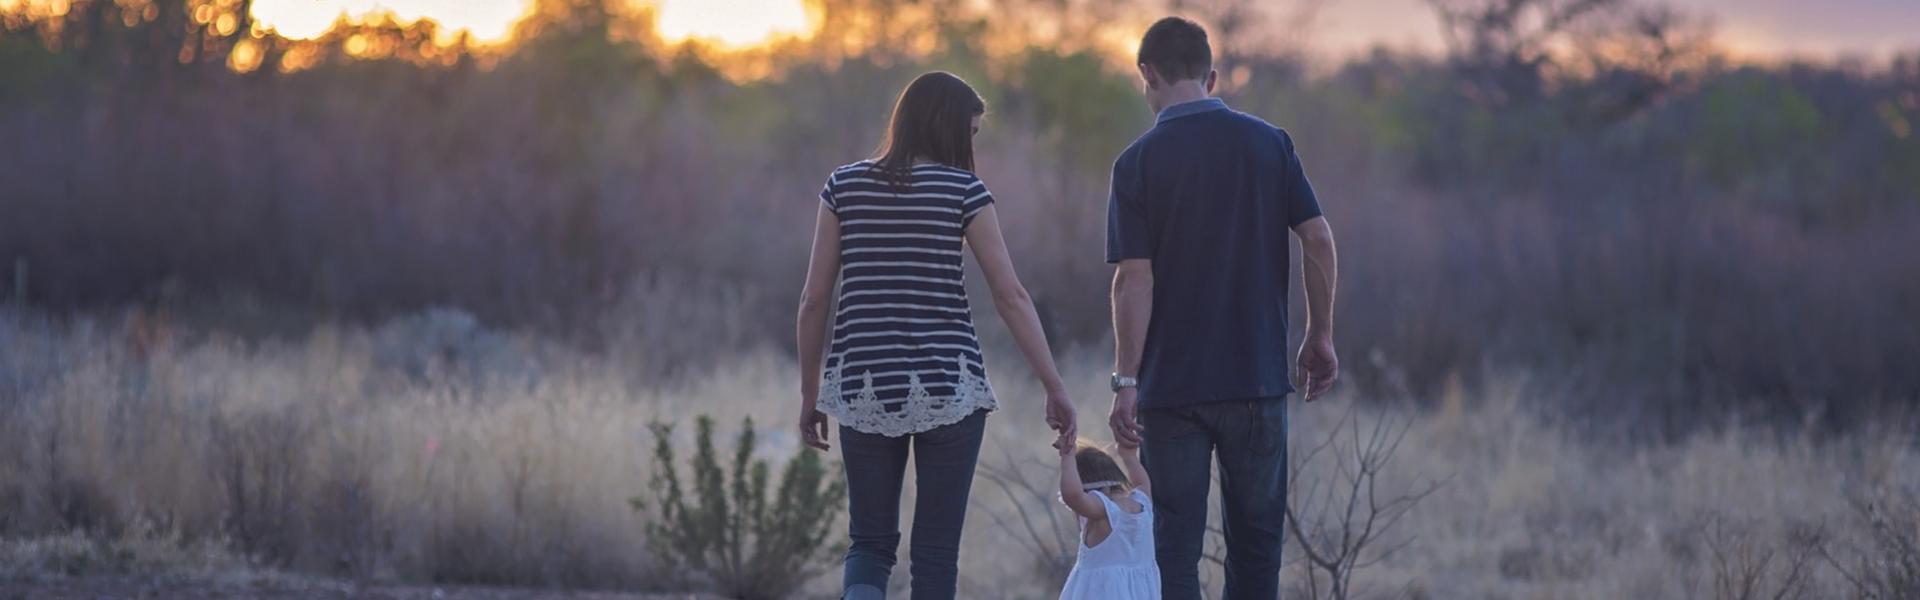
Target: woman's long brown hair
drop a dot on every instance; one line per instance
(932, 120)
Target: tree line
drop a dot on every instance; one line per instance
(1589, 188)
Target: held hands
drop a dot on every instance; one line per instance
(1318, 367)
(1065, 445)
(1061, 418)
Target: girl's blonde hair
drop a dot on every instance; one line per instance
(1098, 469)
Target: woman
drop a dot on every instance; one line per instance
(904, 369)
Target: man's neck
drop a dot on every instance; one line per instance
(1185, 91)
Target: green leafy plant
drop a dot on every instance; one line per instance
(724, 526)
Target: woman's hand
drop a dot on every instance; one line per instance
(1061, 418)
(813, 427)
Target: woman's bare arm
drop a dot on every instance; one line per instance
(1015, 306)
(823, 271)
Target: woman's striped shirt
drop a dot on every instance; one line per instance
(904, 357)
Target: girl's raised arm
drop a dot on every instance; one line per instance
(1136, 472)
(1071, 490)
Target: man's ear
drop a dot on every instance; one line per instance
(1147, 74)
(1212, 76)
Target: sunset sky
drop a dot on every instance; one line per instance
(734, 22)
(1748, 27)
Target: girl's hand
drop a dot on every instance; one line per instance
(813, 427)
(1064, 444)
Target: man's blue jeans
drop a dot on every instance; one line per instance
(943, 461)
(1249, 440)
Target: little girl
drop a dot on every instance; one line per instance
(1115, 561)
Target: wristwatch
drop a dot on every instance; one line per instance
(1121, 382)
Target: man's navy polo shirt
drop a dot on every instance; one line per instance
(1210, 195)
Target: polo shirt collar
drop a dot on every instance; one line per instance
(1190, 108)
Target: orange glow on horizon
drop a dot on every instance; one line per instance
(734, 24)
(486, 20)
(730, 24)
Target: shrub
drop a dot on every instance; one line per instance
(260, 470)
(726, 527)
(1889, 567)
(1745, 565)
(1341, 520)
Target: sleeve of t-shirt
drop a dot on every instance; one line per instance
(977, 200)
(1128, 233)
(827, 192)
(1302, 205)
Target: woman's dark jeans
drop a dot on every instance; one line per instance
(1248, 440)
(943, 460)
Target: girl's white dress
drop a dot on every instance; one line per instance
(1120, 567)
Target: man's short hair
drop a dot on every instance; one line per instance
(1177, 49)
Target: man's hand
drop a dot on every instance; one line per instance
(1061, 417)
(1125, 418)
(1318, 367)
(813, 427)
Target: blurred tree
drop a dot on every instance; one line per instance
(1618, 55)
(885, 31)
(1629, 63)
(1253, 37)
(1749, 122)
(1502, 48)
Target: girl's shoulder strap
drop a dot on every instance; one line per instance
(1117, 512)
(1145, 499)
(1105, 501)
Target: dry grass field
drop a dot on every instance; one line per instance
(430, 449)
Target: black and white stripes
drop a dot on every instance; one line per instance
(904, 357)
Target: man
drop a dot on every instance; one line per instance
(1197, 226)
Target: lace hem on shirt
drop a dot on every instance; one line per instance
(922, 412)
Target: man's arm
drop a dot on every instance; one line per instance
(1319, 366)
(1132, 312)
(1130, 246)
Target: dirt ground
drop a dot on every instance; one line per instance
(147, 588)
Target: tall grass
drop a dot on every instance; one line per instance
(429, 448)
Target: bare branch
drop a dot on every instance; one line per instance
(1341, 528)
